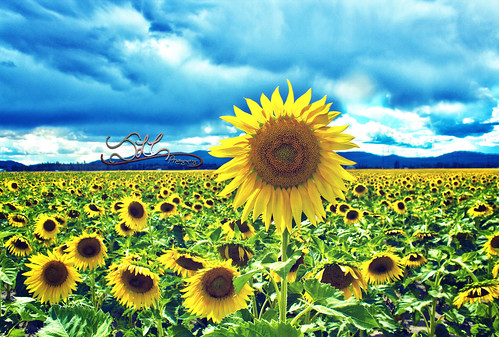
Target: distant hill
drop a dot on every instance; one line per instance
(459, 159)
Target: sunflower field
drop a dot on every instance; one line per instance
(161, 253)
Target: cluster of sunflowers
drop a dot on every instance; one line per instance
(280, 233)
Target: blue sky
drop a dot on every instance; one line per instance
(413, 78)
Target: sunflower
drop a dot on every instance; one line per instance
(382, 268)
(211, 294)
(395, 232)
(46, 227)
(247, 231)
(52, 277)
(484, 291)
(87, 251)
(134, 286)
(123, 229)
(399, 207)
(93, 210)
(352, 216)
(413, 260)
(342, 209)
(342, 276)
(239, 254)
(197, 207)
(73, 214)
(360, 190)
(13, 186)
(480, 210)
(17, 220)
(492, 244)
(116, 206)
(134, 213)
(166, 209)
(286, 154)
(183, 264)
(175, 198)
(209, 203)
(17, 245)
(61, 220)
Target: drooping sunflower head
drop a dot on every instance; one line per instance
(479, 210)
(18, 245)
(414, 259)
(484, 291)
(134, 212)
(238, 253)
(17, 220)
(245, 229)
(52, 277)
(286, 154)
(383, 268)
(343, 277)
(492, 244)
(134, 286)
(47, 227)
(123, 229)
(116, 206)
(87, 251)
(93, 210)
(183, 263)
(210, 293)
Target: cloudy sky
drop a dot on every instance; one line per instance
(414, 78)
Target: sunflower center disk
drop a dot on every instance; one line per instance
(381, 265)
(49, 225)
(20, 244)
(336, 277)
(218, 283)
(166, 207)
(136, 210)
(55, 273)
(284, 153)
(137, 283)
(88, 247)
(494, 243)
(188, 263)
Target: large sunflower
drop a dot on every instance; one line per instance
(211, 294)
(17, 245)
(383, 268)
(286, 154)
(183, 264)
(134, 286)
(134, 213)
(342, 276)
(47, 227)
(484, 291)
(88, 251)
(52, 277)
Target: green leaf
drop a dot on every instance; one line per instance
(179, 331)
(26, 308)
(356, 311)
(259, 328)
(318, 290)
(240, 281)
(215, 235)
(78, 321)
(282, 268)
(16, 333)
(8, 271)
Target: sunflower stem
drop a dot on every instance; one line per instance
(254, 308)
(433, 323)
(283, 302)
(473, 277)
(92, 284)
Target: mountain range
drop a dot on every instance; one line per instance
(364, 160)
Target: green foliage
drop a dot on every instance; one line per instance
(77, 321)
(259, 328)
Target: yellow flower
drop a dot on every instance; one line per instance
(17, 220)
(247, 231)
(17, 245)
(342, 276)
(492, 244)
(286, 161)
(134, 286)
(182, 263)
(46, 227)
(414, 260)
(134, 213)
(52, 277)
(87, 251)
(352, 216)
(382, 268)
(485, 291)
(210, 293)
